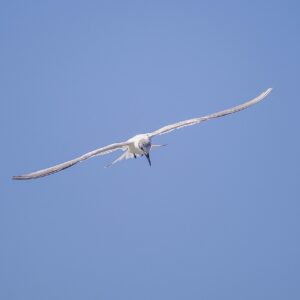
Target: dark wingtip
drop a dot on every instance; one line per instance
(23, 177)
(19, 177)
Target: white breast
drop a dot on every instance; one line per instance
(134, 146)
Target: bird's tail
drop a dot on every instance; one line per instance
(125, 155)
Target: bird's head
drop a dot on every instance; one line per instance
(145, 146)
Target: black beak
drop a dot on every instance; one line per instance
(148, 158)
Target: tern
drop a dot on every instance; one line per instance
(141, 144)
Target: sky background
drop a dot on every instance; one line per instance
(217, 216)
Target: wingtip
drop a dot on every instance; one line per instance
(17, 177)
(268, 91)
(22, 177)
(264, 94)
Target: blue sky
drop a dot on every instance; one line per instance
(217, 214)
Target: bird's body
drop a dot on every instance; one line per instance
(140, 145)
(137, 146)
(135, 141)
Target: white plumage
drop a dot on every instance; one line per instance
(141, 144)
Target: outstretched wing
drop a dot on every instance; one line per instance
(70, 163)
(222, 113)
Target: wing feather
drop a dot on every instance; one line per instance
(190, 122)
(70, 163)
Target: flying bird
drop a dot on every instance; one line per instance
(141, 144)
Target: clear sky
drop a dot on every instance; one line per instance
(217, 216)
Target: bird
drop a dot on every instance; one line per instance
(141, 144)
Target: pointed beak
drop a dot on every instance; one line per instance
(148, 158)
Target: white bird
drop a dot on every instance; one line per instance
(141, 144)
